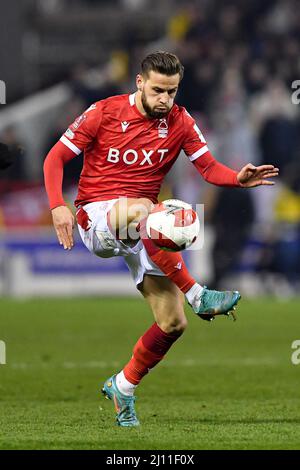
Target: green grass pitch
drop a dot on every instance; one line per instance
(224, 385)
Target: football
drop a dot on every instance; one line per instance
(173, 225)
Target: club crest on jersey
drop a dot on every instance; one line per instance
(163, 128)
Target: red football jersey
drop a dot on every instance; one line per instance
(127, 154)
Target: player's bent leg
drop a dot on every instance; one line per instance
(205, 303)
(166, 302)
(127, 219)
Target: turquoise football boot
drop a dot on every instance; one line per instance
(124, 404)
(213, 302)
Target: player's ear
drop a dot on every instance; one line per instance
(139, 82)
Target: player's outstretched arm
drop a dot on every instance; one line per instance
(251, 176)
(63, 221)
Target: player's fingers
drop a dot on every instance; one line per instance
(265, 168)
(260, 182)
(69, 233)
(249, 166)
(251, 169)
(274, 170)
(269, 175)
(68, 240)
(59, 237)
(64, 236)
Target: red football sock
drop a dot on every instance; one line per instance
(148, 351)
(171, 264)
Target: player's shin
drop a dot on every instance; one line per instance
(171, 264)
(149, 350)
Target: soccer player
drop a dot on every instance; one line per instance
(130, 142)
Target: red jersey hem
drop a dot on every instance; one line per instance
(79, 203)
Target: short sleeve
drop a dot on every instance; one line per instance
(84, 129)
(194, 144)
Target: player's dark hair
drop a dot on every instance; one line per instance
(162, 62)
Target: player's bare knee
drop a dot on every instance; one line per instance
(126, 214)
(139, 209)
(174, 326)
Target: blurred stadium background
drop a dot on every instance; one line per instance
(241, 59)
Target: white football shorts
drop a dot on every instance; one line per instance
(100, 241)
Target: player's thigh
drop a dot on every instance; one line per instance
(166, 302)
(129, 210)
(95, 232)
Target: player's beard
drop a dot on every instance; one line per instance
(151, 113)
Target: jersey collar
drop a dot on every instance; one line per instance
(134, 107)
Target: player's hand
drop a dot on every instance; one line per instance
(251, 176)
(63, 221)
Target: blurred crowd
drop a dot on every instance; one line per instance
(241, 62)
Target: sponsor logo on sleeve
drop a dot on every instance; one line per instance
(69, 134)
(78, 122)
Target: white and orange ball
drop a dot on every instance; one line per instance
(173, 225)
